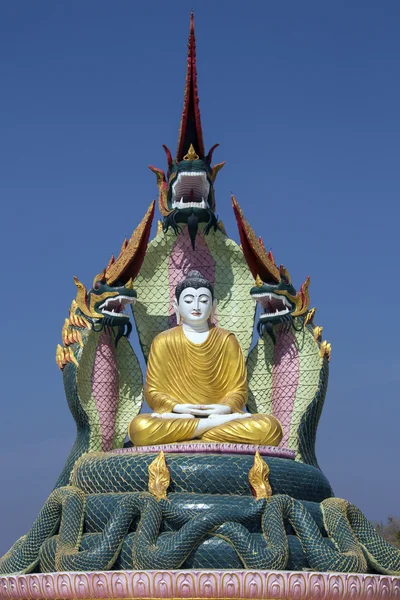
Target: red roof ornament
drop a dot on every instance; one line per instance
(190, 131)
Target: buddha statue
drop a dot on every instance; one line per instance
(196, 381)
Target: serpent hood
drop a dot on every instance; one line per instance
(273, 289)
(112, 289)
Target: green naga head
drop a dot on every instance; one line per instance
(187, 191)
(273, 288)
(104, 304)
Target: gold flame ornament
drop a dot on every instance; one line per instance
(317, 331)
(309, 318)
(215, 170)
(325, 350)
(159, 477)
(64, 356)
(81, 300)
(77, 320)
(258, 281)
(258, 478)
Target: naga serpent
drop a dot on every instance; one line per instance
(102, 376)
(162, 534)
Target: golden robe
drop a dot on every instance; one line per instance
(214, 372)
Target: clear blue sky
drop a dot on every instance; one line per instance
(304, 99)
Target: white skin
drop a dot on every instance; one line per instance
(194, 310)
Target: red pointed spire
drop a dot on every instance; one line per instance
(190, 131)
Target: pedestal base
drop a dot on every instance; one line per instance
(221, 585)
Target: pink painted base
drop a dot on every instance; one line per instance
(211, 447)
(284, 585)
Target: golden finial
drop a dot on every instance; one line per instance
(129, 284)
(317, 331)
(258, 478)
(325, 350)
(191, 155)
(159, 477)
(258, 281)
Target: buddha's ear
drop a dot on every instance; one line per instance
(177, 313)
(214, 308)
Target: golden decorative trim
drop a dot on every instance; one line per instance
(65, 331)
(81, 300)
(130, 248)
(301, 300)
(159, 477)
(160, 175)
(258, 478)
(258, 281)
(129, 284)
(77, 320)
(64, 356)
(317, 331)
(325, 350)
(215, 170)
(69, 335)
(309, 318)
(159, 227)
(192, 154)
(96, 300)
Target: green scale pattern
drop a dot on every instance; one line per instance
(233, 280)
(307, 394)
(198, 474)
(105, 520)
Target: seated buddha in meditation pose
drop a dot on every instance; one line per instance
(196, 380)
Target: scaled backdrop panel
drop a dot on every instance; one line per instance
(285, 379)
(168, 260)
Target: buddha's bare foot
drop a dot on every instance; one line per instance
(171, 416)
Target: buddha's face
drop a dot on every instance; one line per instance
(195, 306)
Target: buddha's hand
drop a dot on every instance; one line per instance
(168, 415)
(192, 409)
(214, 409)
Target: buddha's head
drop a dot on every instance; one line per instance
(194, 300)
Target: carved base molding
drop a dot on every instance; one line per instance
(211, 447)
(196, 585)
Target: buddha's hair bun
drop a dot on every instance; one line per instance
(193, 279)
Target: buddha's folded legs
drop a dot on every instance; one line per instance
(264, 430)
(147, 430)
(255, 429)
